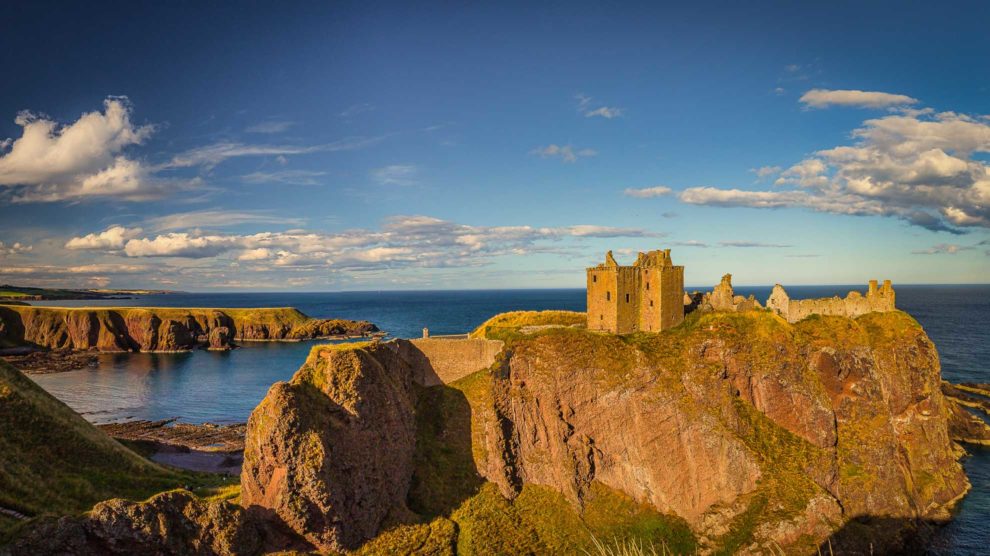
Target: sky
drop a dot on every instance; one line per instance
(323, 146)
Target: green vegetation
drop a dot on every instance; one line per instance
(54, 462)
(506, 325)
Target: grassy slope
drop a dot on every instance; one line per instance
(52, 461)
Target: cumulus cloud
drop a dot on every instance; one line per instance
(111, 239)
(646, 192)
(588, 108)
(50, 162)
(17, 248)
(566, 153)
(764, 172)
(402, 241)
(823, 98)
(395, 174)
(918, 165)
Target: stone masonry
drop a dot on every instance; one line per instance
(647, 296)
(877, 299)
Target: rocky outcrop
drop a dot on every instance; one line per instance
(163, 329)
(330, 452)
(757, 432)
(171, 523)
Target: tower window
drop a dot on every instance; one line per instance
(627, 298)
(594, 277)
(608, 296)
(651, 303)
(647, 285)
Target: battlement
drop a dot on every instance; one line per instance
(877, 299)
(647, 296)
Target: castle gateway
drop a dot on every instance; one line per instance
(647, 296)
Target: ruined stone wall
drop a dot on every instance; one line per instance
(880, 299)
(441, 361)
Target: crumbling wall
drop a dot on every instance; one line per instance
(721, 298)
(880, 300)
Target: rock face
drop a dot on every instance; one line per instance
(733, 421)
(330, 453)
(162, 329)
(171, 523)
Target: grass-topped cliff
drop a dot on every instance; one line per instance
(52, 461)
(161, 328)
(731, 432)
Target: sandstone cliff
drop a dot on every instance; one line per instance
(756, 432)
(162, 329)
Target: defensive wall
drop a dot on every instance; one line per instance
(877, 299)
(444, 360)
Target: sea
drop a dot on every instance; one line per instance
(223, 387)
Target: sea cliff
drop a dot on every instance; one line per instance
(160, 328)
(733, 433)
(743, 429)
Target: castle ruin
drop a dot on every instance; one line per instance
(647, 296)
(877, 299)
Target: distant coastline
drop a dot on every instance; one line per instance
(24, 293)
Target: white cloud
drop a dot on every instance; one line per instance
(210, 219)
(111, 239)
(395, 174)
(270, 126)
(823, 98)
(180, 244)
(211, 155)
(646, 192)
(586, 106)
(50, 162)
(17, 248)
(286, 177)
(764, 172)
(566, 153)
(355, 109)
(915, 165)
(258, 254)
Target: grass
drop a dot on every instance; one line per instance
(54, 462)
(506, 325)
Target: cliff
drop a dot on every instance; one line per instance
(161, 329)
(732, 432)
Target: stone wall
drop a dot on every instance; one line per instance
(441, 361)
(877, 299)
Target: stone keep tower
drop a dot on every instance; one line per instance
(647, 296)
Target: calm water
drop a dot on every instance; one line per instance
(225, 387)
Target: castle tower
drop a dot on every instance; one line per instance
(647, 296)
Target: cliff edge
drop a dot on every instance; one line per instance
(734, 432)
(161, 328)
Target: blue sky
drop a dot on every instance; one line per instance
(338, 146)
